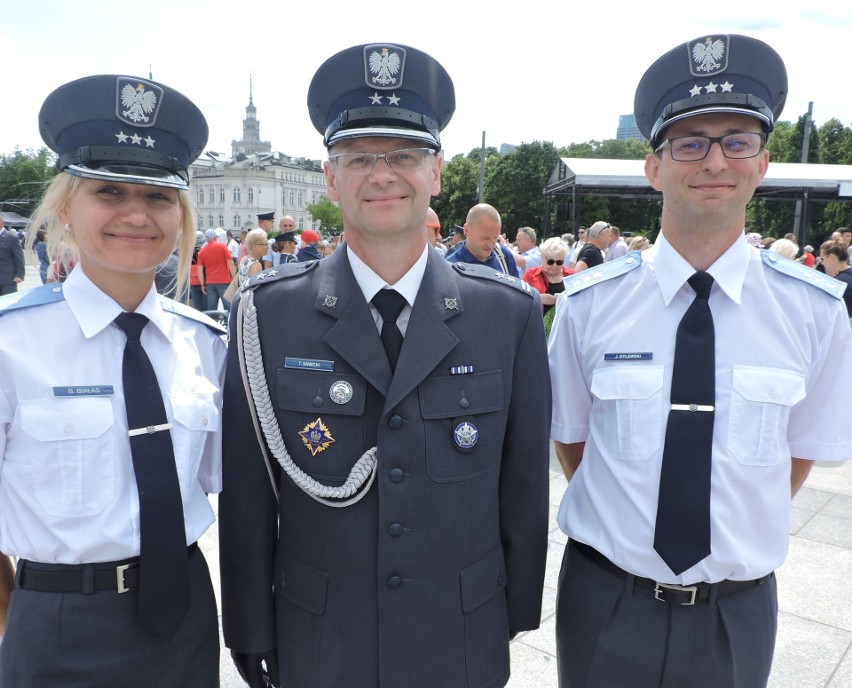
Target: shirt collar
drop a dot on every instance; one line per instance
(672, 269)
(94, 310)
(370, 283)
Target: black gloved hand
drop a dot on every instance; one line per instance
(252, 670)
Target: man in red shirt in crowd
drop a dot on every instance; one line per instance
(215, 271)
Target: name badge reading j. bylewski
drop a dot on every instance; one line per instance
(630, 356)
(84, 391)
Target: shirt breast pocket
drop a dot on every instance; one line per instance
(446, 403)
(74, 464)
(631, 409)
(761, 399)
(195, 416)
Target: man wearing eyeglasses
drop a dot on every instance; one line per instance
(406, 437)
(684, 409)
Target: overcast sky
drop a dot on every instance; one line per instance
(521, 74)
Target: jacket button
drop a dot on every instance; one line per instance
(394, 582)
(395, 422)
(397, 475)
(395, 529)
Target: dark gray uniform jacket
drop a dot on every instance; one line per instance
(421, 582)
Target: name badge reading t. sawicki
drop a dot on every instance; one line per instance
(309, 364)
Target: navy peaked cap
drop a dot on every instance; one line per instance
(123, 128)
(719, 73)
(266, 216)
(381, 89)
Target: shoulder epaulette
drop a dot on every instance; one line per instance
(179, 308)
(791, 268)
(279, 272)
(603, 272)
(40, 296)
(485, 272)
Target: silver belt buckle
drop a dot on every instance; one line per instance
(660, 589)
(119, 578)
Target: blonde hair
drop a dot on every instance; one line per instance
(255, 237)
(61, 243)
(784, 247)
(553, 247)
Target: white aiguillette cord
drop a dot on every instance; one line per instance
(266, 424)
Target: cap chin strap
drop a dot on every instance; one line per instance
(379, 117)
(743, 103)
(263, 416)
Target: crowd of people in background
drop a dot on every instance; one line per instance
(480, 240)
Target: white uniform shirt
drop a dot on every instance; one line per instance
(783, 350)
(67, 490)
(408, 285)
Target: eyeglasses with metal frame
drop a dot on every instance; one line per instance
(363, 163)
(737, 146)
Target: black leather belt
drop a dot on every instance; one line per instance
(121, 576)
(668, 592)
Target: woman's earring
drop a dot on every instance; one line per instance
(67, 227)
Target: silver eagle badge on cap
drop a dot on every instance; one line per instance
(384, 66)
(137, 102)
(708, 56)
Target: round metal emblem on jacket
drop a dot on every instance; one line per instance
(465, 434)
(340, 392)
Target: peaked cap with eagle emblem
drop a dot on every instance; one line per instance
(381, 89)
(123, 129)
(719, 73)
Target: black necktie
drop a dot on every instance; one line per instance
(682, 535)
(389, 303)
(164, 590)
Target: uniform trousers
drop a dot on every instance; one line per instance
(80, 640)
(612, 633)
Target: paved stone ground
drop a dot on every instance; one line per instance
(814, 646)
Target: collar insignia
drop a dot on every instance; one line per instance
(451, 304)
(330, 301)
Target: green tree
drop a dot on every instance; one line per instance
(328, 214)
(23, 178)
(459, 181)
(515, 184)
(833, 137)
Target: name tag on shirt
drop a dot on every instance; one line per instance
(84, 391)
(309, 364)
(632, 356)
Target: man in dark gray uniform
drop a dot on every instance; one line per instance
(435, 454)
(12, 268)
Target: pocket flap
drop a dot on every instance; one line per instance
(769, 385)
(483, 580)
(66, 418)
(627, 382)
(302, 584)
(309, 391)
(440, 396)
